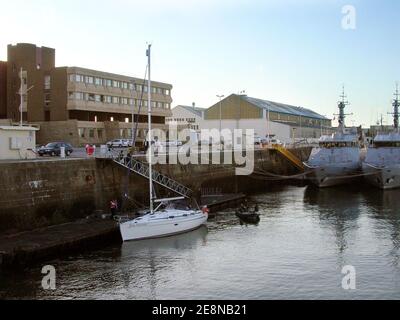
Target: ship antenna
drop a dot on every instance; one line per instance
(396, 105)
(342, 105)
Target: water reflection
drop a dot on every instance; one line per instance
(148, 261)
(305, 237)
(337, 209)
(385, 213)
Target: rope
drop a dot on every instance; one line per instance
(275, 177)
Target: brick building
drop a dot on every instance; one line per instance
(77, 105)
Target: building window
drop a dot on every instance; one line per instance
(107, 99)
(47, 82)
(81, 132)
(131, 86)
(112, 119)
(116, 84)
(99, 82)
(167, 92)
(76, 96)
(159, 90)
(124, 85)
(139, 87)
(91, 97)
(79, 78)
(124, 101)
(100, 133)
(115, 100)
(91, 133)
(97, 98)
(89, 80)
(126, 120)
(47, 99)
(131, 102)
(145, 89)
(95, 118)
(108, 83)
(154, 90)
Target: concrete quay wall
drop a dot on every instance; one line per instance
(35, 194)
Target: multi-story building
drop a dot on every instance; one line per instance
(3, 89)
(80, 105)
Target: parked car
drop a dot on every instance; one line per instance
(54, 149)
(260, 141)
(119, 143)
(274, 141)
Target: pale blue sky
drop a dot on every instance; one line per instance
(283, 50)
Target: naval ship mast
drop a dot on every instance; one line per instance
(396, 105)
(342, 116)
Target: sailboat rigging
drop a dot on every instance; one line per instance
(166, 222)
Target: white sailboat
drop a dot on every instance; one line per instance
(338, 158)
(382, 164)
(166, 222)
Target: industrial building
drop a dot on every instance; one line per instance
(76, 105)
(267, 118)
(187, 117)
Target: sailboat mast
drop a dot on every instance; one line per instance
(150, 133)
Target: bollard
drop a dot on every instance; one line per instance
(62, 152)
(103, 150)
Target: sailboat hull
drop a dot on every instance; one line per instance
(164, 226)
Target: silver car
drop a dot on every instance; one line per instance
(119, 143)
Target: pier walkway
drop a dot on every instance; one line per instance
(33, 246)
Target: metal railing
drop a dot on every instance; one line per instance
(143, 169)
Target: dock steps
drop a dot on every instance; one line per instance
(142, 169)
(290, 156)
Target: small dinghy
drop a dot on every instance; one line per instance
(249, 217)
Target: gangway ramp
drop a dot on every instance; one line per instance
(290, 156)
(143, 170)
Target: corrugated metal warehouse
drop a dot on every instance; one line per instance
(266, 118)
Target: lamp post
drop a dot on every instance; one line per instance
(220, 112)
(294, 135)
(134, 131)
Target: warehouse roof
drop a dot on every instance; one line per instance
(195, 110)
(283, 108)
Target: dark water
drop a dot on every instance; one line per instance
(298, 250)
